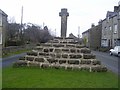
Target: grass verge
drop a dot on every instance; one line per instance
(14, 53)
(25, 77)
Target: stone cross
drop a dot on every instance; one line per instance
(64, 14)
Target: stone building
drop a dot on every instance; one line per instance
(3, 27)
(93, 36)
(111, 28)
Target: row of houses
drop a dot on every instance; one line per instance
(3, 27)
(106, 33)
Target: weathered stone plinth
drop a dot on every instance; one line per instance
(62, 53)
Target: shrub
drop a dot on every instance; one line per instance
(104, 49)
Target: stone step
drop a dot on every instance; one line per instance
(90, 68)
(61, 60)
(62, 50)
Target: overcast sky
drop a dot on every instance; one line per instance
(81, 12)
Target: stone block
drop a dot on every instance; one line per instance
(70, 45)
(72, 56)
(78, 50)
(51, 49)
(42, 54)
(52, 60)
(30, 58)
(64, 55)
(85, 50)
(76, 67)
(99, 69)
(73, 50)
(58, 55)
(57, 51)
(46, 50)
(45, 65)
(65, 50)
(32, 53)
(20, 63)
(58, 45)
(85, 62)
(39, 48)
(55, 41)
(73, 62)
(39, 59)
(22, 58)
(86, 68)
(78, 56)
(62, 61)
(52, 55)
(89, 56)
(79, 46)
(96, 62)
(56, 66)
(34, 64)
(47, 44)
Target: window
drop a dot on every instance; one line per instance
(0, 20)
(105, 31)
(107, 19)
(115, 28)
(119, 14)
(1, 38)
(110, 28)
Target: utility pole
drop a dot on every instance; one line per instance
(21, 22)
(78, 31)
(55, 32)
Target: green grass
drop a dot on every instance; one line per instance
(14, 53)
(0, 78)
(52, 78)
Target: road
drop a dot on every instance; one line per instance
(9, 60)
(110, 61)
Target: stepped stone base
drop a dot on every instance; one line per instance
(61, 53)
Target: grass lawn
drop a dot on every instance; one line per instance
(52, 78)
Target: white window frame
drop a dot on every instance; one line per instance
(119, 14)
(0, 19)
(0, 37)
(115, 28)
(110, 28)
